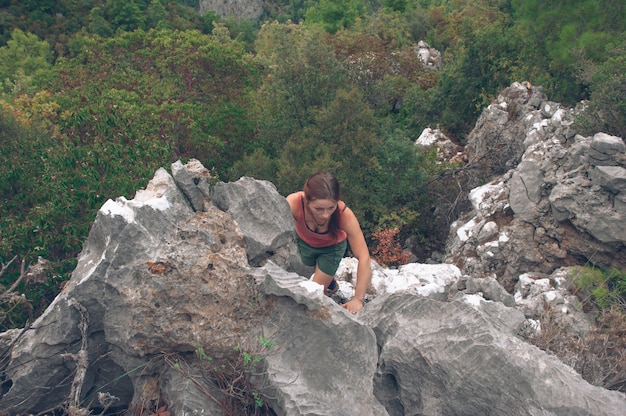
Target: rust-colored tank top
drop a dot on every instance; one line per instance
(314, 239)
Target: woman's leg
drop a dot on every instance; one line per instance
(322, 278)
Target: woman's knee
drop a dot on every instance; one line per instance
(321, 277)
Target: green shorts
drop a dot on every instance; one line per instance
(326, 258)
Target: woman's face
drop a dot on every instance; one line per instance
(322, 209)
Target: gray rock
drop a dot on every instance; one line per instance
(154, 277)
(607, 144)
(264, 217)
(493, 290)
(324, 359)
(604, 149)
(493, 372)
(549, 108)
(525, 189)
(612, 178)
(560, 202)
(193, 179)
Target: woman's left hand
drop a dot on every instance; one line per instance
(353, 306)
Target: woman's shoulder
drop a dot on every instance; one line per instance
(294, 197)
(294, 201)
(346, 214)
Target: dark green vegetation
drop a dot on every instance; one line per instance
(98, 94)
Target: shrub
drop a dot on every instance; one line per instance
(606, 111)
(388, 252)
(599, 288)
(597, 356)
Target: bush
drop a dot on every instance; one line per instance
(389, 252)
(598, 356)
(603, 289)
(606, 110)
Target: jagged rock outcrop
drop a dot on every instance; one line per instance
(246, 201)
(164, 295)
(447, 150)
(556, 199)
(430, 57)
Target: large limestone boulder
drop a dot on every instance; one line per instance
(463, 358)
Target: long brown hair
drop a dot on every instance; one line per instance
(324, 185)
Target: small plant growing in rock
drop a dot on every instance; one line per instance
(236, 376)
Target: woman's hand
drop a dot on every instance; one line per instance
(354, 305)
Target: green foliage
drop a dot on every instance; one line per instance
(396, 5)
(58, 21)
(124, 14)
(606, 110)
(209, 19)
(155, 14)
(418, 110)
(383, 64)
(341, 139)
(333, 15)
(98, 24)
(301, 75)
(603, 288)
(479, 70)
(311, 118)
(24, 54)
(566, 33)
(183, 94)
(244, 30)
(36, 206)
(284, 11)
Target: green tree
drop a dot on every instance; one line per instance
(98, 25)
(418, 110)
(487, 59)
(302, 75)
(606, 110)
(396, 5)
(333, 15)
(155, 14)
(567, 32)
(124, 14)
(35, 216)
(244, 30)
(25, 53)
(209, 19)
(120, 109)
(182, 88)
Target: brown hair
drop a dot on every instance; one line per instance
(324, 185)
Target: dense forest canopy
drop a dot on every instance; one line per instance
(95, 95)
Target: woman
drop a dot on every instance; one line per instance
(323, 224)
